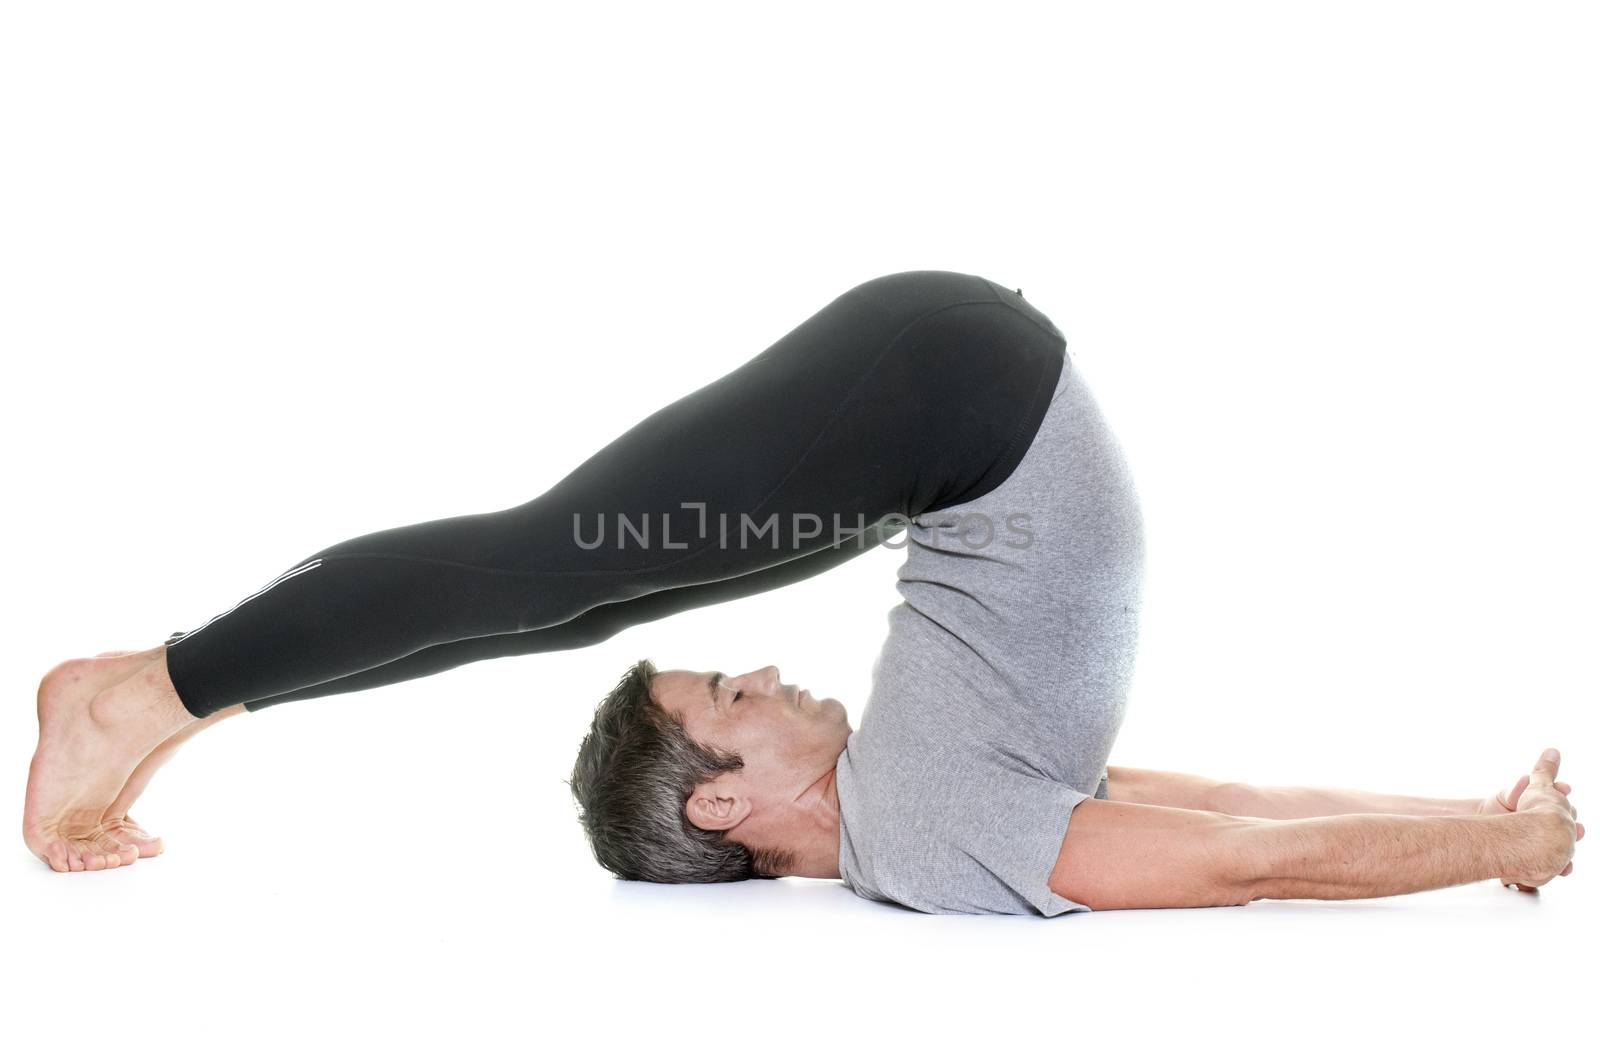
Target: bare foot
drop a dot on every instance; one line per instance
(117, 822)
(98, 719)
(119, 825)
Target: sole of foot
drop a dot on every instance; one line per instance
(81, 764)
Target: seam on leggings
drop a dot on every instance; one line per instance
(480, 569)
(551, 573)
(799, 461)
(1022, 313)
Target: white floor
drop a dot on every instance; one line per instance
(222, 947)
(324, 883)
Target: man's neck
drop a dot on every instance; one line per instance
(814, 837)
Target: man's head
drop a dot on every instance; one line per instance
(693, 777)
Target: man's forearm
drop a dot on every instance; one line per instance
(1143, 785)
(1299, 801)
(1368, 855)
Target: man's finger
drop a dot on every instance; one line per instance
(1564, 872)
(1510, 799)
(1566, 790)
(1544, 772)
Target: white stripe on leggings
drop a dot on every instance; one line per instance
(312, 565)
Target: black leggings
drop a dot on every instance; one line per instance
(908, 393)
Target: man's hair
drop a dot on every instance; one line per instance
(636, 769)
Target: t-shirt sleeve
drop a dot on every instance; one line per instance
(1013, 829)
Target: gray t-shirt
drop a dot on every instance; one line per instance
(1002, 681)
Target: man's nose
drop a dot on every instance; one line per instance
(763, 679)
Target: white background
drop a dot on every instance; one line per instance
(272, 276)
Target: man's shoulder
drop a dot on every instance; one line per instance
(975, 833)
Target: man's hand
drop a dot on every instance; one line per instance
(1537, 793)
(1505, 801)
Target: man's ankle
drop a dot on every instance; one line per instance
(144, 704)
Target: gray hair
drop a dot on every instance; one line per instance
(636, 769)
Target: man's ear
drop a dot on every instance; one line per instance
(716, 806)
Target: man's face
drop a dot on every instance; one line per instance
(787, 738)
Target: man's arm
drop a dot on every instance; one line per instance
(1362, 856)
(1141, 785)
(1119, 855)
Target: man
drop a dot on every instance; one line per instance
(934, 399)
(1156, 839)
(977, 782)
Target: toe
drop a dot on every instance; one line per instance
(74, 859)
(116, 851)
(56, 856)
(99, 851)
(122, 843)
(131, 833)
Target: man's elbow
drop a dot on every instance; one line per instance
(1153, 890)
(1130, 856)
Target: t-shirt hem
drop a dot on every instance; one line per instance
(1049, 903)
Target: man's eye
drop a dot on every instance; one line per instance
(738, 694)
